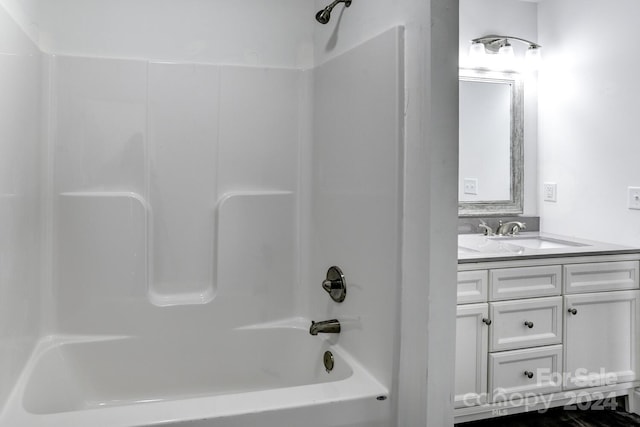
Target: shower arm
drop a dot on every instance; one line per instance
(347, 3)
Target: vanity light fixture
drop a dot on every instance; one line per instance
(501, 45)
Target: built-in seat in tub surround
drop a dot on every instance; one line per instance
(545, 321)
(266, 369)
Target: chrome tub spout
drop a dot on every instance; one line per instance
(326, 326)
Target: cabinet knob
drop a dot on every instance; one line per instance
(573, 311)
(486, 321)
(528, 374)
(528, 324)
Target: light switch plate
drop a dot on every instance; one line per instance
(471, 186)
(550, 190)
(634, 198)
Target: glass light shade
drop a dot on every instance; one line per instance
(476, 50)
(532, 57)
(506, 50)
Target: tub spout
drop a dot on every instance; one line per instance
(327, 326)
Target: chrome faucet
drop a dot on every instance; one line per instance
(488, 231)
(511, 228)
(327, 326)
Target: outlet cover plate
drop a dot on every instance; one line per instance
(471, 186)
(634, 198)
(550, 191)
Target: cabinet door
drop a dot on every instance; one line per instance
(601, 344)
(472, 340)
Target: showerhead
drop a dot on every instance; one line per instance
(323, 16)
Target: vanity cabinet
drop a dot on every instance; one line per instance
(601, 344)
(545, 328)
(471, 354)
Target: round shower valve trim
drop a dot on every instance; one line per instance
(335, 284)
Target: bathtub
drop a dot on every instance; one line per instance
(252, 376)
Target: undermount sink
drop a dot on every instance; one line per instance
(473, 245)
(491, 246)
(537, 242)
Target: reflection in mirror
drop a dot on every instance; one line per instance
(485, 139)
(491, 138)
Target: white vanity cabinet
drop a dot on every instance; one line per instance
(545, 327)
(471, 354)
(472, 333)
(601, 345)
(601, 324)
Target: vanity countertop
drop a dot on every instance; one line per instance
(473, 248)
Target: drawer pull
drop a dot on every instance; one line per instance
(573, 311)
(528, 374)
(486, 321)
(528, 324)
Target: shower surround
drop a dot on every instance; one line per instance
(188, 212)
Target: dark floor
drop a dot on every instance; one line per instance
(561, 417)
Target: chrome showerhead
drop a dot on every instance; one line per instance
(323, 16)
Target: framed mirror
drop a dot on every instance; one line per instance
(491, 138)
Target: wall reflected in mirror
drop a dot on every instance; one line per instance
(485, 141)
(491, 139)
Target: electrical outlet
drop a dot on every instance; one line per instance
(634, 198)
(550, 190)
(471, 186)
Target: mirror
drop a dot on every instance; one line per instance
(491, 143)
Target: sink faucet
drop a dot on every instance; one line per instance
(488, 231)
(511, 228)
(327, 326)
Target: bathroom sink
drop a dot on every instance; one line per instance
(491, 246)
(537, 242)
(462, 249)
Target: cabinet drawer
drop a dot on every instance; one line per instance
(533, 370)
(472, 286)
(525, 282)
(601, 276)
(525, 323)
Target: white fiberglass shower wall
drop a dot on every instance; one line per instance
(203, 167)
(20, 200)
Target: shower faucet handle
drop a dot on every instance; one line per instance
(335, 284)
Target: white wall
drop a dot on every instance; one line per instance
(588, 118)
(20, 204)
(424, 386)
(515, 18)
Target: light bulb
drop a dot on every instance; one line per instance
(532, 57)
(506, 50)
(476, 50)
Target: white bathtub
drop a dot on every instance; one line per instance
(256, 376)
